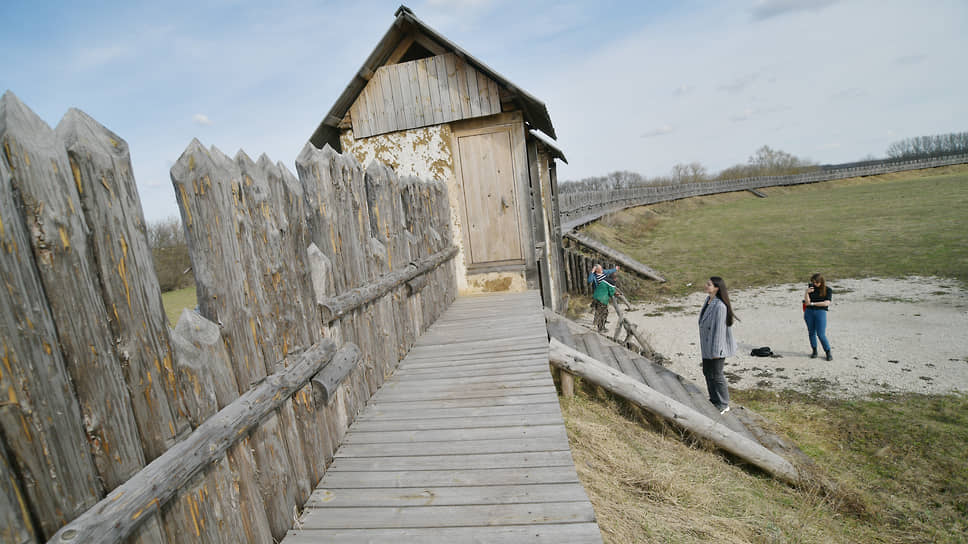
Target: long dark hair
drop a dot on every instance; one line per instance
(723, 295)
(823, 284)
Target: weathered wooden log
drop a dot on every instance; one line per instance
(123, 509)
(206, 365)
(336, 307)
(231, 293)
(675, 412)
(54, 323)
(15, 524)
(271, 282)
(332, 375)
(203, 189)
(101, 166)
(416, 285)
(617, 256)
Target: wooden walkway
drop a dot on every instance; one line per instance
(464, 443)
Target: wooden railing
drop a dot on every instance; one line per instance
(115, 427)
(580, 207)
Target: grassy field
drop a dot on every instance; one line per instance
(894, 225)
(899, 460)
(176, 301)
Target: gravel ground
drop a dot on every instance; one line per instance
(887, 335)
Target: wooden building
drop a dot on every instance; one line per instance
(429, 109)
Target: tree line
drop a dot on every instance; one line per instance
(924, 147)
(766, 161)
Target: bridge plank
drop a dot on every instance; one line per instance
(475, 515)
(449, 478)
(446, 496)
(454, 462)
(573, 533)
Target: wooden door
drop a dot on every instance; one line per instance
(491, 226)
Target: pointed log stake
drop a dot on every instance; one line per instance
(134, 501)
(644, 396)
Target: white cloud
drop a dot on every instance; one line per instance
(201, 119)
(660, 131)
(766, 9)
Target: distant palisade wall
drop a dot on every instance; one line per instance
(94, 382)
(583, 207)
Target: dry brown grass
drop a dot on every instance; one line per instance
(659, 486)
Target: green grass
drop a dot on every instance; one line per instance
(895, 225)
(176, 301)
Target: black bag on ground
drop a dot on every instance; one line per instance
(762, 352)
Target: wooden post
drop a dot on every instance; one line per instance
(673, 411)
(54, 324)
(215, 215)
(567, 384)
(102, 171)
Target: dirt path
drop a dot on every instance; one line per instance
(887, 335)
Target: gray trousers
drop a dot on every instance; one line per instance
(712, 369)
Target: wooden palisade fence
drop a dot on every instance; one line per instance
(115, 427)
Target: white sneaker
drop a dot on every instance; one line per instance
(724, 410)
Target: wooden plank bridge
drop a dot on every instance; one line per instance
(464, 443)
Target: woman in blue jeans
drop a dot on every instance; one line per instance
(816, 302)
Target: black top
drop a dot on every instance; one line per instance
(815, 297)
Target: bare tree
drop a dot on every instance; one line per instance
(929, 146)
(170, 253)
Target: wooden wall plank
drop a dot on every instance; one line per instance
(378, 104)
(399, 98)
(446, 106)
(433, 87)
(417, 89)
(389, 114)
(473, 93)
(460, 70)
(494, 95)
(407, 93)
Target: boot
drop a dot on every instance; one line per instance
(814, 354)
(829, 356)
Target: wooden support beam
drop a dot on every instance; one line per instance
(117, 515)
(335, 307)
(567, 384)
(619, 257)
(684, 416)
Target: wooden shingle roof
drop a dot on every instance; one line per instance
(404, 26)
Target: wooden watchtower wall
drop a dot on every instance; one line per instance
(114, 426)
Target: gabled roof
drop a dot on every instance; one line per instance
(406, 23)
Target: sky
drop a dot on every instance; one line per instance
(630, 85)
